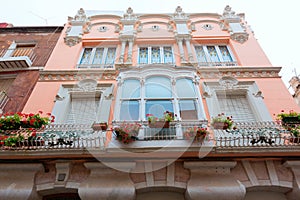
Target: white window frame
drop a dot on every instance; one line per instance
(248, 88)
(151, 71)
(64, 97)
(221, 62)
(161, 51)
(99, 65)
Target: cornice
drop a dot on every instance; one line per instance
(239, 72)
(77, 75)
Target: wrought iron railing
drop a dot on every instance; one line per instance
(70, 136)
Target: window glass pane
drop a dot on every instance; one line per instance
(143, 55)
(83, 110)
(158, 107)
(98, 56)
(213, 54)
(185, 88)
(168, 55)
(158, 87)
(155, 55)
(225, 54)
(131, 89)
(86, 56)
(110, 57)
(129, 110)
(187, 109)
(200, 54)
(237, 106)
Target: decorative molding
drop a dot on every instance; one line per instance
(77, 75)
(207, 27)
(155, 28)
(102, 29)
(228, 82)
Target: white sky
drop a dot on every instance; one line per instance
(274, 22)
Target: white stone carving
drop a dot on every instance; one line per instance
(228, 82)
(87, 85)
(207, 27)
(102, 29)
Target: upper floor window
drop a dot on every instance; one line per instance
(155, 54)
(214, 55)
(98, 57)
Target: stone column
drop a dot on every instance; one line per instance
(189, 49)
(107, 183)
(212, 180)
(122, 51)
(17, 180)
(295, 167)
(129, 57)
(181, 51)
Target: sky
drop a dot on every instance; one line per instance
(275, 22)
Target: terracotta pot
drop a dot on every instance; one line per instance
(160, 124)
(99, 126)
(220, 125)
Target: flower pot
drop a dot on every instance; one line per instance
(220, 125)
(295, 140)
(160, 124)
(290, 120)
(99, 126)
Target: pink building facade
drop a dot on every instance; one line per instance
(120, 68)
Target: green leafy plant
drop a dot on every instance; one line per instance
(221, 118)
(291, 113)
(167, 116)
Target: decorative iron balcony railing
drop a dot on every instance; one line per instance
(69, 136)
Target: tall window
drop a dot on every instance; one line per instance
(237, 106)
(83, 110)
(100, 57)
(157, 95)
(213, 55)
(155, 54)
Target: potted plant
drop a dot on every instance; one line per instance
(164, 122)
(222, 122)
(290, 117)
(196, 133)
(127, 132)
(99, 126)
(26, 137)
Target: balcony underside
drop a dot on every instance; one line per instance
(13, 63)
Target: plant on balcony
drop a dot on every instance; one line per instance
(164, 122)
(99, 126)
(26, 137)
(196, 133)
(222, 122)
(15, 121)
(290, 117)
(127, 132)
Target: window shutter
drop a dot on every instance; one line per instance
(237, 106)
(83, 111)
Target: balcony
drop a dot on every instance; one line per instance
(20, 58)
(250, 137)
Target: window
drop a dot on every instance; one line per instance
(100, 57)
(236, 99)
(83, 110)
(155, 95)
(237, 106)
(213, 55)
(155, 54)
(83, 103)
(23, 50)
